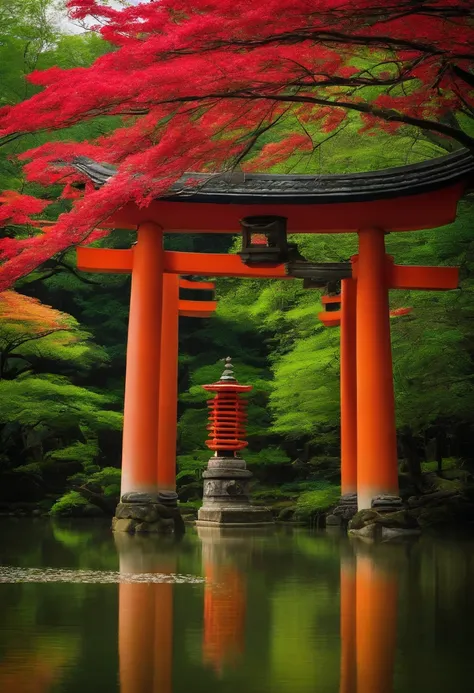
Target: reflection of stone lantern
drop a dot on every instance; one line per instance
(226, 480)
(263, 240)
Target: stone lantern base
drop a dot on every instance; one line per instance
(148, 513)
(226, 496)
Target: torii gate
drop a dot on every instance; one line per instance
(372, 204)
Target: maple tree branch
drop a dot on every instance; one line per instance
(23, 339)
(323, 36)
(386, 114)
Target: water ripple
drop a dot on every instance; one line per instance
(11, 574)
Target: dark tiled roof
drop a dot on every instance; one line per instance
(260, 188)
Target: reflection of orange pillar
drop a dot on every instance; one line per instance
(376, 609)
(376, 434)
(143, 363)
(348, 629)
(168, 399)
(224, 616)
(146, 635)
(136, 637)
(348, 388)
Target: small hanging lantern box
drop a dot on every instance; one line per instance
(264, 240)
(331, 303)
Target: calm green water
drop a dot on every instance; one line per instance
(81, 612)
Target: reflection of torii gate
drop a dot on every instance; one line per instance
(408, 198)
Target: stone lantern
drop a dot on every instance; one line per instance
(226, 480)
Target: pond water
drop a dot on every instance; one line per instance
(290, 611)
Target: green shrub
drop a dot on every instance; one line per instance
(69, 504)
(314, 502)
(448, 463)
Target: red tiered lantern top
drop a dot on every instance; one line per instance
(227, 413)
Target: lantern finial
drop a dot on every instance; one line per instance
(228, 373)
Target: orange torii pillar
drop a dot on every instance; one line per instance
(145, 628)
(151, 322)
(375, 273)
(173, 308)
(343, 315)
(346, 318)
(140, 431)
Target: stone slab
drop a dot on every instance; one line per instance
(243, 515)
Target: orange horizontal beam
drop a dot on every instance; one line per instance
(197, 306)
(104, 260)
(195, 314)
(204, 286)
(333, 318)
(108, 260)
(330, 319)
(330, 299)
(423, 278)
(218, 265)
(414, 276)
(400, 312)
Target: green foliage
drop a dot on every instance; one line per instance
(449, 463)
(69, 504)
(84, 452)
(52, 401)
(268, 456)
(109, 479)
(313, 502)
(192, 465)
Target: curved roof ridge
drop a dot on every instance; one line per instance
(264, 188)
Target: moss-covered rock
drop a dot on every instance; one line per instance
(287, 513)
(363, 518)
(432, 516)
(370, 531)
(398, 520)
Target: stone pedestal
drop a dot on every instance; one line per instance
(387, 504)
(344, 511)
(148, 513)
(226, 496)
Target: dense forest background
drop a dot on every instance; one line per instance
(62, 368)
